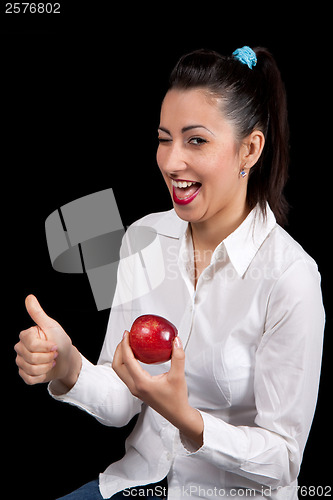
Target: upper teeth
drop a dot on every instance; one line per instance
(182, 184)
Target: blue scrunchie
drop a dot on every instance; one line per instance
(246, 56)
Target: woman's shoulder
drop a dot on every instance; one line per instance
(286, 252)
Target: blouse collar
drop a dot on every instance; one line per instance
(241, 245)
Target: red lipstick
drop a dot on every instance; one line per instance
(188, 199)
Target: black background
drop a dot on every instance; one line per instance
(80, 99)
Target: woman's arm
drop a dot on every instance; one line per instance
(165, 393)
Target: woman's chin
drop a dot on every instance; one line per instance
(193, 215)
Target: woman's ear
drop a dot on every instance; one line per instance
(251, 148)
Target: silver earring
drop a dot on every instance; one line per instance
(243, 173)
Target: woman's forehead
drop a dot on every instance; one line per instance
(186, 108)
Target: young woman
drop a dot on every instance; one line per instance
(230, 414)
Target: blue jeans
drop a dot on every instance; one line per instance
(90, 491)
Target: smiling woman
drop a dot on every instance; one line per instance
(206, 155)
(249, 101)
(232, 409)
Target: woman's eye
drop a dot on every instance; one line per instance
(197, 141)
(163, 140)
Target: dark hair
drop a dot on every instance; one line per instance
(253, 99)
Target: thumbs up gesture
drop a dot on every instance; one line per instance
(45, 351)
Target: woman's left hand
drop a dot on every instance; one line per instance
(165, 393)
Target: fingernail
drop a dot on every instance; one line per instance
(54, 348)
(55, 355)
(125, 332)
(178, 343)
(53, 364)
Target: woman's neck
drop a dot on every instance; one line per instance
(209, 233)
(206, 236)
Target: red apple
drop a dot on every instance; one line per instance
(151, 338)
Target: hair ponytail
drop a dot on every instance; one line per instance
(270, 174)
(251, 99)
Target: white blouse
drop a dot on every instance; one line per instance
(252, 331)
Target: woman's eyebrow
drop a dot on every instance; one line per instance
(164, 130)
(185, 129)
(190, 127)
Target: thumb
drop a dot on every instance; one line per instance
(37, 314)
(177, 368)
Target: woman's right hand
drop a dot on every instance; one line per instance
(45, 352)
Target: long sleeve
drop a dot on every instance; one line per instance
(101, 393)
(98, 390)
(287, 371)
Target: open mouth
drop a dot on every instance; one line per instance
(184, 192)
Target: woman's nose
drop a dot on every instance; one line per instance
(172, 161)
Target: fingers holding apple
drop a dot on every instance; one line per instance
(152, 339)
(167, 388)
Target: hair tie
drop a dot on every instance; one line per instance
(246, 56)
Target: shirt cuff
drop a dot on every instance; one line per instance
(222, 443)
(100, 392)
(189, 447)
(60, 392)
